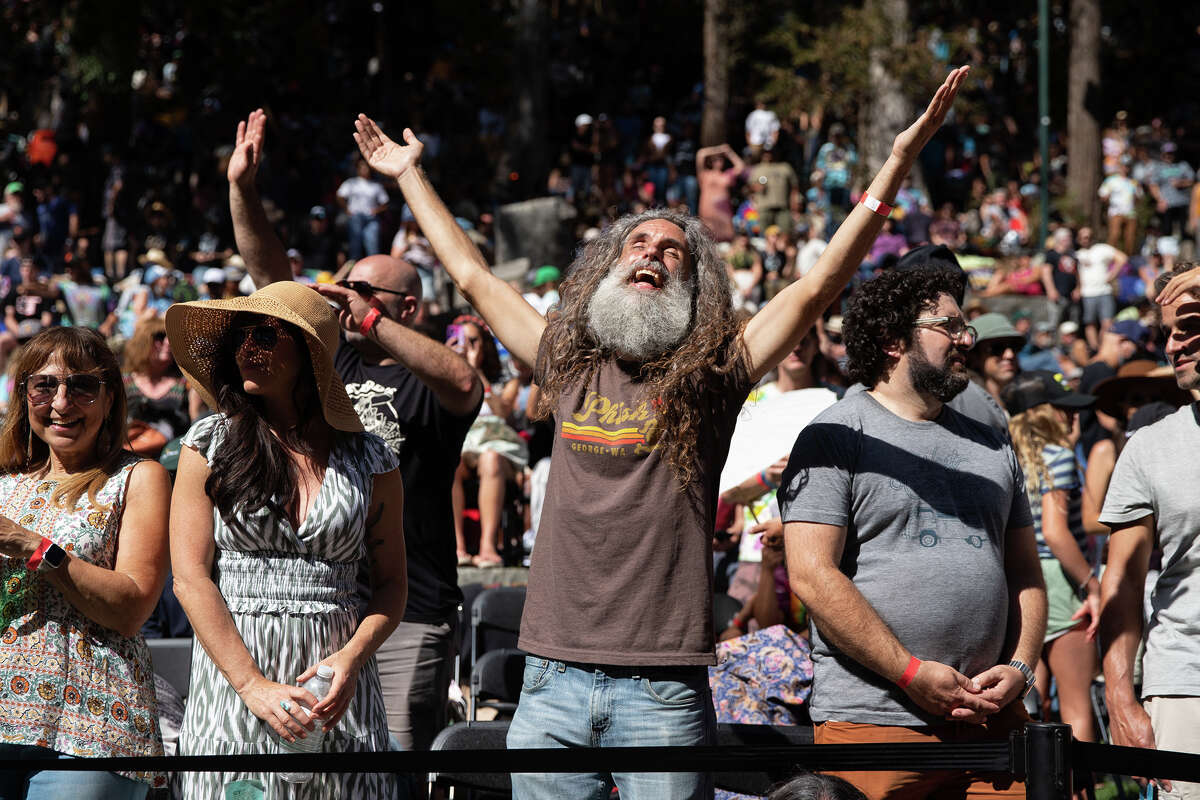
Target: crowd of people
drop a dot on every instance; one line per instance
(320, 409)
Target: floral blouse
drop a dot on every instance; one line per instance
(66, 682)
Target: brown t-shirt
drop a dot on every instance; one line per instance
(622, 568)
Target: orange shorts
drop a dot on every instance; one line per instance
(943, 785)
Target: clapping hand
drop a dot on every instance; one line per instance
(247, 150)
(384, 155)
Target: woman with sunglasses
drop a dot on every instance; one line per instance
(492, 451)
(80, 571)
(280, 498)
(1044, 430)
(161, 407)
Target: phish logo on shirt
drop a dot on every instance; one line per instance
(612, 428)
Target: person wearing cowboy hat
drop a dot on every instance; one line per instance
(421, 398)
(280, 498)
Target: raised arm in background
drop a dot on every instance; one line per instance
(516, 323)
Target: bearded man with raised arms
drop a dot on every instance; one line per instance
(644, 370)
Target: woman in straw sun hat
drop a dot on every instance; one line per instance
(279, 498)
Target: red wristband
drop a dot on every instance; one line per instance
(910, 672)
(369, 321)
(35, 560)
(878, 206)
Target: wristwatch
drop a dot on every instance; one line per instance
(1027, 672)
(52, 558)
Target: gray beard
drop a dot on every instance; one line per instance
(639, 325)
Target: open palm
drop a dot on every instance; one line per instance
(247, 149)
(382, 154)
(913, 139)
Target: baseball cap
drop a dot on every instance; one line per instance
(834, 324)
(933, 256)
(1133, 331)
(545, 274)
(213, 275)
(1067, 328)
(583, 119)
(995, 327)
(317, 211)
(16, 187)
(294, 253)
(1035, 387)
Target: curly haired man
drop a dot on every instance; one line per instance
(910, 541)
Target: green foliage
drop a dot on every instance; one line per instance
(827, 65)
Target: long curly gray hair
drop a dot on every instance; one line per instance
(684, 380)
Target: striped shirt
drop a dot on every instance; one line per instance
(1063, 474)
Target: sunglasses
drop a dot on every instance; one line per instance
(364, 288)
(82, 388)
(263, 335)
(159, 337)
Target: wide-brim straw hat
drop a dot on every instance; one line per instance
(1139, 376)
(197, 332)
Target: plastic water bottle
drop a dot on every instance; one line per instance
(319, 685)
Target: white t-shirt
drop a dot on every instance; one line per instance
(761, 126)
(807, 256)
(1157, 474)
(1121, 193)
(1094, 263)
(362, 195)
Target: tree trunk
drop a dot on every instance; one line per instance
(717, 36)
(528, 133)
(1083, 124)
(889, 110)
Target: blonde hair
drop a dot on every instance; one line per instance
(22, 452)
(1031, 431)
(137, 350)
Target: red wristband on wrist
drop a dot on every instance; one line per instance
(35, 560)
(910, 672)
(369, 321)
(878, 206)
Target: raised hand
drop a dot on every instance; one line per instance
(247, 149)
(913, 139)
(384, 155)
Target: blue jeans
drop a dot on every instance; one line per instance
(588, 705)
(364, 236)
(49, 785)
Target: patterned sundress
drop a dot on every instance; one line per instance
(293, 595)
(66, 682)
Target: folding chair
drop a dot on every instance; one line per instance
(495, 625)
(469, 736)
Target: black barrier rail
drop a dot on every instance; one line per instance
(1044, 756)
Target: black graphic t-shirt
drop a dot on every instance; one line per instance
(393, 404)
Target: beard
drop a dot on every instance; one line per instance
(636, 324)
(944, 383)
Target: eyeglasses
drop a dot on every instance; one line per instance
(82, 388)
(955, 327)
(364, 288)
(263, 335)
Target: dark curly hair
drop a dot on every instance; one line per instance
(882, 312)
